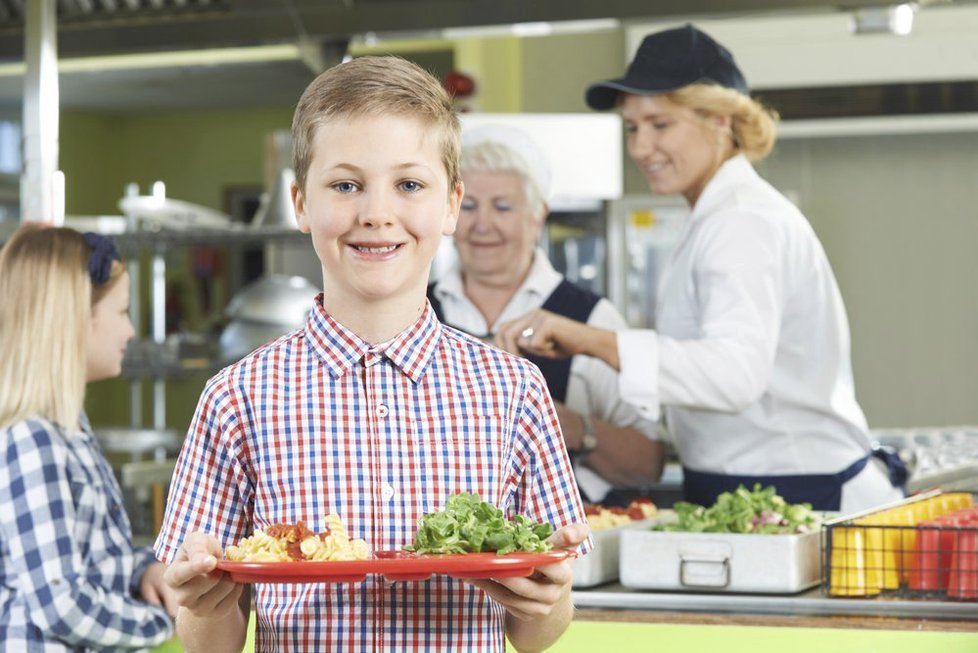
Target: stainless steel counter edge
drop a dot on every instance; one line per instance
(809, 603)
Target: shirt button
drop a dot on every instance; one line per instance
(382, 411)
(387, 492)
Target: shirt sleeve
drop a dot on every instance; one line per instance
(210, 491)
(638, 378)
(604, 394)
(38, 523)
(548, 492)
(143, 557)
(738, 282)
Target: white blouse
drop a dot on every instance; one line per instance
(750, 357)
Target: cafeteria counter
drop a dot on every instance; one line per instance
(612, 617)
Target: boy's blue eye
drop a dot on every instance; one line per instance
(502, 206)
(410, 186)
(345, 186)
(468, 205)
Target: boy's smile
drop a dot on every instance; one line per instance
(377, 203)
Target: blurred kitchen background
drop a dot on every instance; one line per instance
(879, 148)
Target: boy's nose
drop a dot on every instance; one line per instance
(376, 209)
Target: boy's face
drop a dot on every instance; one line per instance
(377, 203)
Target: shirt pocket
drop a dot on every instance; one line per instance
(88, 501)
(464, 453)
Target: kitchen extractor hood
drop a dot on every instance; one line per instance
(89, 27)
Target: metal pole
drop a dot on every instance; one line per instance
(37, 185)
(158, 294)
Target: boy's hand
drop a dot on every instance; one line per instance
(203, 593)
(537, 595)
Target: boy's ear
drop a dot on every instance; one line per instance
(299, 204)
(454, 206)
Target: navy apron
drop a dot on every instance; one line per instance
(823, 491)
(567, 300)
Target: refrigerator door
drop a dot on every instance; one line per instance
(642, 232)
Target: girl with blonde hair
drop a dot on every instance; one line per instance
(70, 577)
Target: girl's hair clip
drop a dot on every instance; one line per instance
(100, 260)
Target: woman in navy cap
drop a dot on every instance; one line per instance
(749, 362)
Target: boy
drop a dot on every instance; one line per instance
(374, 410)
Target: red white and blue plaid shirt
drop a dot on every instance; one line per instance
(320, 421)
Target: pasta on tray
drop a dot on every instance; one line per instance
(296, 543)
(601, 517)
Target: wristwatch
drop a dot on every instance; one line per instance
(589, 441)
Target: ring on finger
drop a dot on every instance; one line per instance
(526, 333)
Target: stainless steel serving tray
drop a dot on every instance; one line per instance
(601, 565)
(719, 562)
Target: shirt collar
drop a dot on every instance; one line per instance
(542, 278)
(734, 172)
(340, 349)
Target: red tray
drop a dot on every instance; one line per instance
(394, 565)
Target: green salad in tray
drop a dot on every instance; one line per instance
(757, 511)
(470, 525)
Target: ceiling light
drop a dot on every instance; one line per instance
(892, 19)
(531, 29)
(208, 57)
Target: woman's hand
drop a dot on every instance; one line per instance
(536, 596)
(550, 335)
(192, 578)
(542, 333)
(155, 590)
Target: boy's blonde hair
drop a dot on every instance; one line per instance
(374, 86)
(754, 125)
(46, 300)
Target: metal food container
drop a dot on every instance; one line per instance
(720, 562)
(601, 565)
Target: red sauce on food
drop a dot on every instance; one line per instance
(294, 534)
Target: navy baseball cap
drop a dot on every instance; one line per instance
(669, 60)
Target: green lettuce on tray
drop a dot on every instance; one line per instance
(761, 511)
(470, 525)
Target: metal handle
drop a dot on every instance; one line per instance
(719, 568)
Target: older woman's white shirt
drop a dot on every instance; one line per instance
(749, 362)
(592, 388)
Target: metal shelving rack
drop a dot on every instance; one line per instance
(152, 359)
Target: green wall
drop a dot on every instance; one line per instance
(557, 69)
(198, 155)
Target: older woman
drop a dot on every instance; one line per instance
(502, 274)
(749, 360)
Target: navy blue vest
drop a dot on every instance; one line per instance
(567, 300)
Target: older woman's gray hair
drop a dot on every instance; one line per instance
(501, 148)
